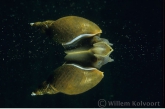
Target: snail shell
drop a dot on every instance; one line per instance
(68, 30)
(85, 52)
(70, 79)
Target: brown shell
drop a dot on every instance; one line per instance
(71, 80)
(67, 28)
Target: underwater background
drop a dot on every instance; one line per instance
(27, 57)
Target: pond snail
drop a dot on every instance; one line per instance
(85, 52)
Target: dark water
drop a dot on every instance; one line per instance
(135, 27)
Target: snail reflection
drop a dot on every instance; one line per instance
(85, 52)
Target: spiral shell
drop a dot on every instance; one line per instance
(67, 30)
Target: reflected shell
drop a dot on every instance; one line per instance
(70, 79)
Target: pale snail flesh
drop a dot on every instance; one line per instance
(85, 52)
(95, 56)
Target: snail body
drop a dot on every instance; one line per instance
(95, 56)
(85, 52)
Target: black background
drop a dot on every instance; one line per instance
(27, 57)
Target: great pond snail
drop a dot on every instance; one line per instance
(85, 52)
